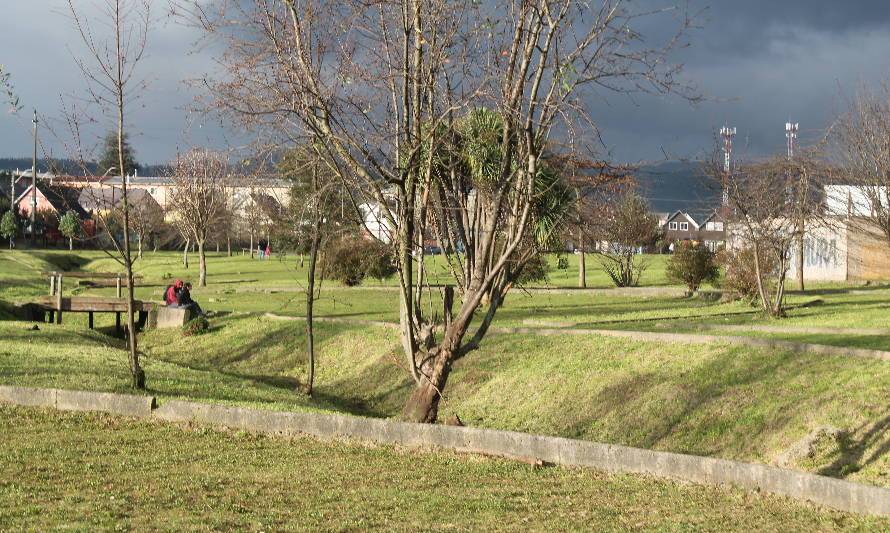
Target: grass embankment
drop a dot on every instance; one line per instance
(720, 401)
(733, 402)
(111, 473)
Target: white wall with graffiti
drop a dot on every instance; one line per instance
(825, 253)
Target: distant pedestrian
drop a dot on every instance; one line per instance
(268, 252)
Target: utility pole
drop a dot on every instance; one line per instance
(727, 133)
(33, 213)
(791, 129)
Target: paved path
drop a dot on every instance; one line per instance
(692, 338)
(810, 330)
(651, 336)
(640, 292)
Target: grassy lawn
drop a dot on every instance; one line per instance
(724, 401)
(112, 473)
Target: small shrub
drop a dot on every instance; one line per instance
(378, 262)
(692, 264)
(562, 262)
(167, 275)
(740, 278)
(352, 259)
(195, 326)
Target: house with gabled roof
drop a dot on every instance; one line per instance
(56, 200)
(712, 231)
(680, 226)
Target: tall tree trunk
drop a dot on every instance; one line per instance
(423, 405)
(761, 290)
(582, 264)
(136, 372)
(800, 258)
(185, 253)
(229, 245)
(310, 300)
(70, 243)
(140, 247)
(202, 265)
(251, 245)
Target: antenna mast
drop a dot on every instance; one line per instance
(727, 133)
(791, 134)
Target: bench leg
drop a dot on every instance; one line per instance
(90, 319)
(59, 316)
(52, 317)
(117, 323)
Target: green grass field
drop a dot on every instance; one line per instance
(715, 400)
(109, 473)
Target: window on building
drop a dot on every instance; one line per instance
(718, 226)
(673, 225)
(684, 226)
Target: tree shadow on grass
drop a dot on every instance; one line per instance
(852, 448)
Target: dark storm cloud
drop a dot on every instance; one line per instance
(760, 62)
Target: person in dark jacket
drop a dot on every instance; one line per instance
(185, 300)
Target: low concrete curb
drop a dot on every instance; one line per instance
(118, 404)
(693, 338)
(821, 490)
(69, 400)
(28, 396)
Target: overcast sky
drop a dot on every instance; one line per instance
(761, 62)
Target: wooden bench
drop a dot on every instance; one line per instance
(54, 306)
(103, 279)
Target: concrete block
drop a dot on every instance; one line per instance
(28, 396)
(168, 317)
(119, 404)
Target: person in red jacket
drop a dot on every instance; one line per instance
(171, 295)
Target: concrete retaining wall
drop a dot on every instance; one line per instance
(68, 400)
(822, 490)
(826, 491)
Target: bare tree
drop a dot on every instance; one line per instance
(439, 112)
(110, 68)
(624, 229)
(598, 187)
(314, 218)
(768, 202)
(199, 198)
(860, 144)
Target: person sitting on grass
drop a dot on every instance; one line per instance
(185, 301)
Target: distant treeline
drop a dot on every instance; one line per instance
(69, 166)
